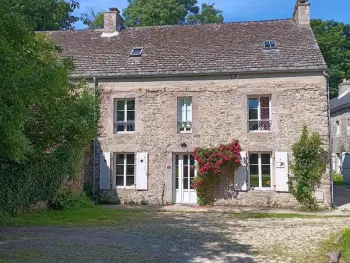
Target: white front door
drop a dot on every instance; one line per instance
(184, 174)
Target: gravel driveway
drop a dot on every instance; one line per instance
(172, 237)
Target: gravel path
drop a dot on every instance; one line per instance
(172, 237)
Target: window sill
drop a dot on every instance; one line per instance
(131, 132)
(258, 189)
(126, 188)
(259, 132)
(185, 132)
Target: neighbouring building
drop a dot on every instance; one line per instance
(340, 125)
(166, 90)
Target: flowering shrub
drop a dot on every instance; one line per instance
(211, 162)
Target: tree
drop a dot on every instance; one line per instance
(92, 19)
(208, 15)
(158, 12)
(46, 122)
(46, 14)
(334, 41)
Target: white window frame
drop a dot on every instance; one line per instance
(261, 188)
(259, 120)
(187, 126)
(338, 131)
(115, 119)
(125, 171)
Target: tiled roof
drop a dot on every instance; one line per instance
(338, 104)
(193, 49)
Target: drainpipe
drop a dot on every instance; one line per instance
(94, 155)
(330, 138)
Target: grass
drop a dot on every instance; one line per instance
(19, 255)
(86, 216)
(345, 245)
(270, 215)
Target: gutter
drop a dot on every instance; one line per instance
(94, 154)
(330, 139)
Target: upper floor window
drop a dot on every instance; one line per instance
(124, 115)
(184, 116)
(259, 113)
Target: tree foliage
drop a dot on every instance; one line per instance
(308, 167)
(169, 12)
(46, 122)
(92, 19)
(45, 14)
(334, 41)
(208, 15)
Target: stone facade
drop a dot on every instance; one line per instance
(220, 114)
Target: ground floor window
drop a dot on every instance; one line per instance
(260, 170)
(125, 169)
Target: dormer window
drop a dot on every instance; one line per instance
(270, 44)
(136, 52)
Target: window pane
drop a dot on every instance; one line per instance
(130, 169)
(191, 160)
(253, 103)
(191, 183)
(186, 171)
(120, 180)
(131, 115)
(253, 114)
(253, 125)
(130, 158)
(130, 180)
(120, 127)
(265, 159)
(120, 105)
(253, 159)
(265, 113)
(119, 158)
(177, 183)
(266, 175)
(130, 126)
(254, 175)
(119, 170)
(120, 115)
(131, 105)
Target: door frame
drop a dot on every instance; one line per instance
(180, 179)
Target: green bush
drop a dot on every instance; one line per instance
(338, 179)
(308, 167)
(66, 200)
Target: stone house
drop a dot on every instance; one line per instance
(166, 90)
(340, 126)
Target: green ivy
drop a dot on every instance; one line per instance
(308, 167)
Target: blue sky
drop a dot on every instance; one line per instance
(246, 10)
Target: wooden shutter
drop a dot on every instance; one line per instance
(241, 174)
(105, 170)
(142, 171)
(281, 171)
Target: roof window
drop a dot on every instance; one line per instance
(270, 44)
(136, 52)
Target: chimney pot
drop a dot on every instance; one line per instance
(302, 13)
(113, 23)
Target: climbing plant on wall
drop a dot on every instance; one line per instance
(211, 162)
(308, 166)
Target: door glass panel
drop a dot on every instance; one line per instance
(130, 159)
(130, 170)
(265, 159)
(130, 180)
(266, 175)
(191, 183)
(120, 170)
(177, 172)
(254, 159)
(186, 181)
(191, 160)
(185, 160)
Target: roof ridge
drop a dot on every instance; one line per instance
(211, 24)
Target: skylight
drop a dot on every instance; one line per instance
(136, 52)
(270, 44)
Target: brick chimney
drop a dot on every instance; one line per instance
(302, 13)
(113, 23)
(344, 88)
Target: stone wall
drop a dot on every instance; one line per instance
(341, 142)
(219, 115)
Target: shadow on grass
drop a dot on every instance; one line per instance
(156, 237)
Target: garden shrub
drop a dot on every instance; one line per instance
(211, 162)
(308, 166)
(65, 200)
(338, 179)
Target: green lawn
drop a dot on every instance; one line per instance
(87, 216)
(345, 245)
